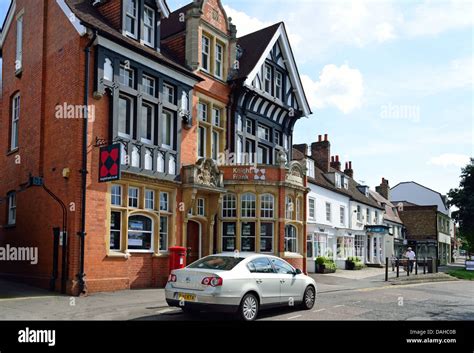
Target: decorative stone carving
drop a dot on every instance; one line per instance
(207, 173)
(295, 173)
(282, 158)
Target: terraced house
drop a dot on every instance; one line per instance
(178, 132)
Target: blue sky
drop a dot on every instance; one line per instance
(390, 82)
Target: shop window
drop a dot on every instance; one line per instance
(115, 231)
(248, 236)
(229, 235)
(140, 233)
(266, 237)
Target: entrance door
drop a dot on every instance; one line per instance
(193, 242)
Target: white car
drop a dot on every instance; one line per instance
(239, 283)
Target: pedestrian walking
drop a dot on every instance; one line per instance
(410, 255)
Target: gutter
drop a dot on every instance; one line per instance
(82, 234)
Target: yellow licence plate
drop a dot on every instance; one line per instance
(187, 297)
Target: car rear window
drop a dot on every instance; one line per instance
(222, 263)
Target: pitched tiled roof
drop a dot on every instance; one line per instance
(90, 17)
(253, 46)
(391, 213)
(173, 24)
(352, 192)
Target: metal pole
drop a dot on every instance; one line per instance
(416, 266)
(424, 266)
(52, 283)
(398, 268)
(408, 268)
(386, 269)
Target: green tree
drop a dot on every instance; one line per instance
(463, 199)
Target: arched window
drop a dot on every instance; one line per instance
(229, 206)
(291, 239)
(140, 233)
(289, 207)
(248, 205)
(267, 206)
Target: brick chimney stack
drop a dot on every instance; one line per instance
(348, 170)
(384, 189)
(321, 153)
(335, 163)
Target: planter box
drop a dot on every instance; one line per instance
(350, 265)
(322, 269)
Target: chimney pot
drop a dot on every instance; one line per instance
(320, 138)
(337, 159)
(325, 137)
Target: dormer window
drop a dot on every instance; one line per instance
(345, 182)
(310, 168)
(148, 26)
(338, 180)
(131, 20)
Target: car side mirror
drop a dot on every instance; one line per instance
(298, 272)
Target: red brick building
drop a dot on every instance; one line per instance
(178, 92)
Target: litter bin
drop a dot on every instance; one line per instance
(177, 259)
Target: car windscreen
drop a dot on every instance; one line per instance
(222, 263)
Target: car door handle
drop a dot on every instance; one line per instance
(259, 281)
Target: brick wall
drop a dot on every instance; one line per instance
(112, 13)
(420, 221)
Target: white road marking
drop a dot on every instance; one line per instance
(319, 310)
(337, 306)
(166, 311)
(294, 317)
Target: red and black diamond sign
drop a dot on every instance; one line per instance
(109, 164)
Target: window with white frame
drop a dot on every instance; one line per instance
(164, 229)
(19, 44)
(263, 155)
(15, 122)
(367, 216)
(215, 145)
(268, 79)
(205, 53)
(266, 237)
(148, 33)
(312, 208)
(11, 208)
(342, 215)
(127, 76)
(149, 199)
(249, 126)
(338, 180)
(147, 123)
(168, 129)
(115, 231)
(263, 133)
(201, 142)
(149, 85)
(169, 93)
(277, 138)
(140, 233)
(345, 181)
(291, 239)
(248, 205)
(131, 20)
(359, 245)
(279, 85)
(202, 111)
(229, 206)
(328, 212)
(133, 197)
(201, 207)
(164, 201)
(359, 213)
(219, 57)
(267, 206)
(116, 195)
(125, 116)
(290, 206)
(376, 217)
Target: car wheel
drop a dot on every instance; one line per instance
(309, 298)
(249, 307)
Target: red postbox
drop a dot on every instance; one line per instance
(177, 258)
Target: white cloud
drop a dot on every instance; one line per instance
(245, 23)
(341, 87)
(450, 160)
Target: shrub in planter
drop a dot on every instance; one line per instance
(351, 262)
(358, 266)
(330, 267)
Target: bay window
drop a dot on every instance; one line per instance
(168, 129)
(291, 239)
(147, 123)
(125, 116)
